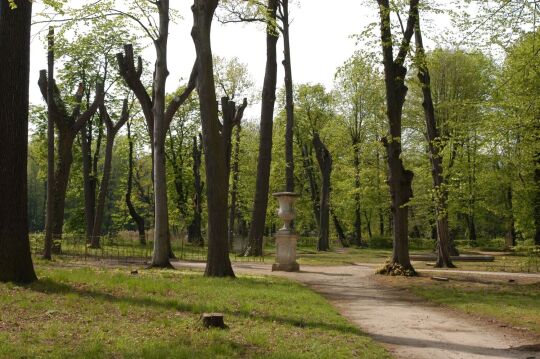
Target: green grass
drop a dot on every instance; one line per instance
(76, 312)
(515, 304)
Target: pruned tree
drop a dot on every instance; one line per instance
(399, 179)
(218, 263)
(137, 218)
(158, 116)
(68, 125)
(15, 259)
(112, 131)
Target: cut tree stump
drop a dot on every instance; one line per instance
(213, 320)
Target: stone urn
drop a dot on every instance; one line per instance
(286, 238)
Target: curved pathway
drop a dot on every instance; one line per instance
(407, 326)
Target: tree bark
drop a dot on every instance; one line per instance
(260, 202)
(68, 126)
(399, 179)
(434, 145)
(536, 208)
(194, 228)
(15, 259)
(218, 263)
(325, 164)
(49, 215)
(357, 207)
(289, 98)
(339, 230)
(139, 221)
(234, 189)
(112, 130)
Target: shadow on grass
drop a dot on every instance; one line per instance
(50, 286)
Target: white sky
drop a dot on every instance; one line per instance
(320, 42)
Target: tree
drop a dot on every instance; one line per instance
(112, 130)
(68, 126)
(289, 94)
(139, 220)
(399, 179)
(260, 202)
(325, 164)
(434, 144)
(233, 80)
(358, 99)
(15, 259)
(158, 117)
(218, 263)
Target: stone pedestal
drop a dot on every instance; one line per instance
(286, 238)
(286, 252)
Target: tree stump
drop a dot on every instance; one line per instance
(213, 320)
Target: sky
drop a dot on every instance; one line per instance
(321, 41)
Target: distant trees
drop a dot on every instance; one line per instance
(15, 260)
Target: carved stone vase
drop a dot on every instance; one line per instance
(286, 238)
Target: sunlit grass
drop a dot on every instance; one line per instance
(108, 312)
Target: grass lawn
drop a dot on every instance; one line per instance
(75, 312)
(517, 305)
(504, 262)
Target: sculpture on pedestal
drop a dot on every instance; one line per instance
(286, 237)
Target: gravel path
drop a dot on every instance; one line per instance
(407, 326)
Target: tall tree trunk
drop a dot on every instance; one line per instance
(399, 179)
(289, 98)
(471, 201)
(536, 209)
(68, 126)
(339, 230)
(161, 253)
(139, 221)
(194, 228)
(218, 263)
(357, 207)
(89, 184)
(234, 189)
(48, 242)
(434, 145)
(112, 130)
(313, 186)
(61, 178)
(510, 235)
(15, 259)
(260, 202)
(325, 164)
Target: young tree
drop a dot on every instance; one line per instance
(218, 263)
(434, 145)
(112, 131)
(358, 99)
(15, 259)
(399, 179)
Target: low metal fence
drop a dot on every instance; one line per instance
(128, 247)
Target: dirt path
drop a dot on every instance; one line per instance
(407, 326)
